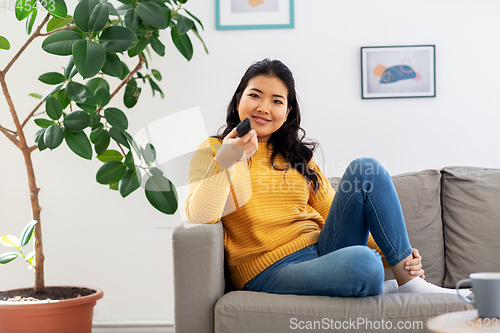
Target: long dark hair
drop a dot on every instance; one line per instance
(286, 140)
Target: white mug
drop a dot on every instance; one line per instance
(486, 289)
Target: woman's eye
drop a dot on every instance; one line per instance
(254, 95)
(278, 102)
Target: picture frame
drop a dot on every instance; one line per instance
(254, 14)
(398, 71)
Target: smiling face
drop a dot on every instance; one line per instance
(264, 101)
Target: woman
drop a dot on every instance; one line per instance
(286, 230)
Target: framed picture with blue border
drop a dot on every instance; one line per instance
(254, 14)
(398, 71)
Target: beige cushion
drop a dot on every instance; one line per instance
(419, 195)
(471, 217)
(251, 312)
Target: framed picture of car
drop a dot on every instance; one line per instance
(398, 71)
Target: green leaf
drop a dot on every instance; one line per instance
(56, 22)
(51, 78)
(4, 43)
(37, 96)
(152, 14)
(24, 8)
(195, 31)
(134, 144)
(130, 182)
(63, 98)
(7, 257)
(30, 21)
(39, 139)
(83, 11)
(131, 95)
(112, 65)
(184, 24)
(52, 90)
(77, 121)
(100, 148)
(195, 18)
(117, 39)
(111, 172)
(129, 161)
(89, 108)
(125, 71)
(27, 233)
(99, 17)
(56, 8)
(116, 118)
(161, 193)
(158, 46)
(102, 96)
(110, 155)
(112, 10)
(138, 48)
(70, 69)
(117, 135)
(79, 143)
(61, 42)
(98, 134)
(97, 82)
(53, 136)
(149, 154)
(154, 86)
(96, 120)
(89, 57)
(78, 92)
(132, 21)
(156, 74)
(43, 123)
(114, 186)
(53, 108)
(183, 43)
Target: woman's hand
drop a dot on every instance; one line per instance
(414, 266)
(235, 149)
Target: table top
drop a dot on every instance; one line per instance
(463, 321)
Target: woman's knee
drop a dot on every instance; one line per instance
(370, 270)
(365, 166)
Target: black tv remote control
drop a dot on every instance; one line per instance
(243, 127)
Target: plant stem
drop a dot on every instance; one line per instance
(20, 142)
(32, 113)
(57, 30)
(137, 68)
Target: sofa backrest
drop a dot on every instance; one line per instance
(471, 217)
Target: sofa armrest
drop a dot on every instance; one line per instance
(198, 251)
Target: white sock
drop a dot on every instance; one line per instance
(418, 285)
(390, 287)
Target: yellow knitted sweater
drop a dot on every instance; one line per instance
(267, 214)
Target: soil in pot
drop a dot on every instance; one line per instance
(52, 293)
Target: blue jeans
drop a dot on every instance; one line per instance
(341, 264)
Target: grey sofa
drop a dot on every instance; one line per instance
(452, 217)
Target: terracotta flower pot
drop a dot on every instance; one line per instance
(61, 316)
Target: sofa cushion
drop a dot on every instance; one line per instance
(471, 218)
(250, 312)
(419, 195)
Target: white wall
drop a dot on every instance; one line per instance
(123, 246)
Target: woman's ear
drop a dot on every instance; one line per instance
(287, 112)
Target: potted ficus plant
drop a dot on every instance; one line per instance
(92, 43)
